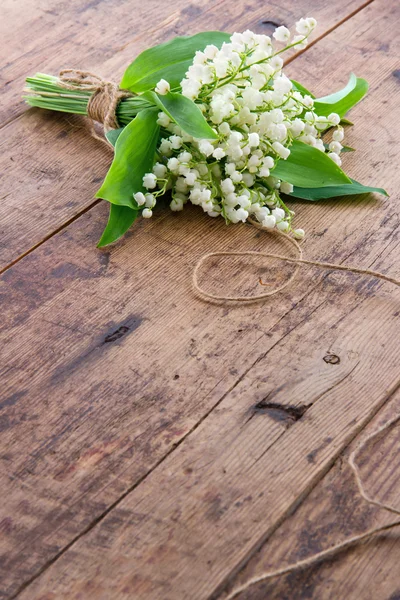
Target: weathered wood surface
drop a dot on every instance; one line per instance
(51, 167)
(332, 513)
(109, 362)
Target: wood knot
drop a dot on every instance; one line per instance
(332, 359)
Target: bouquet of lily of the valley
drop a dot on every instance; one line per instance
(213, 120)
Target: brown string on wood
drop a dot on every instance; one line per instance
(352, 541)
(297, 261)
(102, 104)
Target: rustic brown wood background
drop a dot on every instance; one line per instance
(136, 459)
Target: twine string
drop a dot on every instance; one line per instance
(103, 102)
(352, 541)
(297, 261)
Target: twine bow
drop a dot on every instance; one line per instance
(102, 104)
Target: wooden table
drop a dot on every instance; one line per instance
(149, 449)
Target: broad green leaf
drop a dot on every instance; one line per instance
(300, 88)
(184, 112)
(308, 167)
(113, 135)
(168, 61)
(134, 156)
(341, 102)
(334, 191)
(119, 221)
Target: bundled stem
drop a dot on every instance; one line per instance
(46, 91)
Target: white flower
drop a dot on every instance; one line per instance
(242, 214)
(210, 51)
(150, 201)
(286, 188)
(335, 147)
(334, 119)
(305, 26)
(299, 233)
(281, 150)
(338, 134)
(254, 140)
(282, 34)
(283, 85)
(276, 63)
(159, 170)
(269, 222)
(308, 101)
(173, 164)
(147, 213)
(244, 202)
(191, 177)
(282, 225)
(218, 153)
(227, 186)
(184, 157)
(149, 181)
(206, 148)
(140, 198)
(300, 41)
(248, 179)
(278, 213)
(166, 147)
(176, 204)
(335, 157)
(236, 176)
(162, 87)
(163, 119)
(176, 142)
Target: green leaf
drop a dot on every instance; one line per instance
(334, 191)
(184, 112)
(134, 156)
(168, 61)
(308, 167)
(300, 88)
(346, 122)
(113, 135)
(341, 102)
(119, 221)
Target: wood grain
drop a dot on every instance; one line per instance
(333, 512)
(109, 362)
(50, 35)
(51, 167)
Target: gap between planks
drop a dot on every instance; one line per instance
(96, 202)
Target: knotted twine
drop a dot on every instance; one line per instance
(103, 102)
(208, 296)
(352, 541)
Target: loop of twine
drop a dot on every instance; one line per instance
(352, 541)
(297, 261)
(102, 104)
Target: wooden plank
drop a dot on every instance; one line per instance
(114, 409)
(92, 35)
(212, 502)
(199, 516)
(41, 151)
(333, 512)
